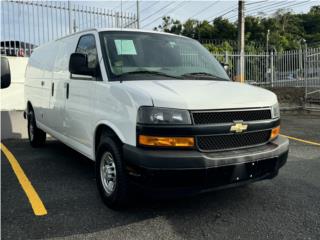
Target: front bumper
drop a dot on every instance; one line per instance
(191, 168)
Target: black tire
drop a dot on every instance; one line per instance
(118, 198)
(37, 137)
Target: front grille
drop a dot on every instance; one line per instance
(232, 141)
(230, 116)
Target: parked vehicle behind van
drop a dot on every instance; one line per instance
(5, 73)
(153, 110)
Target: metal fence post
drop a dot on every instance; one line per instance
(4, 34)
(226, 57)
(271, 69)
(117, 19)
(69, 17)
(268, 72)
(305, 73)
(300, 63)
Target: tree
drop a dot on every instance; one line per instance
(189, 28)
(170, 25)
(254, 30)
(287, 30)
(224, 30)
(315, 10)
(205, 30)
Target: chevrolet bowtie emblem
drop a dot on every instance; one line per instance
(238, 127)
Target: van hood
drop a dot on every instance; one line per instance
(200, 95)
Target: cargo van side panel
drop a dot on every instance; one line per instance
(39, 79)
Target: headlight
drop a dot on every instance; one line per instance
(154, 115)
(275, 111)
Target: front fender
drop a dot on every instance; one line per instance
(113, 127)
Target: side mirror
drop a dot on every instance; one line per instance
(78, 64)
(5, 73)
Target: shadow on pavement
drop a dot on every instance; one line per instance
(7, 120)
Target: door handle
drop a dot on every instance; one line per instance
(52, 89)
(67, 90)
(42, 83)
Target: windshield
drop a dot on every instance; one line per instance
(153, 56)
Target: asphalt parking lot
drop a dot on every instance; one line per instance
(287, 207)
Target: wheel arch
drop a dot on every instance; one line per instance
(105, 128)
(29, 106)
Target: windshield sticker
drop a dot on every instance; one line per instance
(125, 47)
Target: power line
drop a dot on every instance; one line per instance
(251, 3)
(278, 6)
(157, 11)
(267, 6)
(297, 4)
(167, 13)
(229, 10)
(150, 6)
(204, 9)
(300, 5)
(127, 8)
(264, 7)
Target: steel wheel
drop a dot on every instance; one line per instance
(108, 173)
(37, 137)
(111, 176)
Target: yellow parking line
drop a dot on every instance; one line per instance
(301, 140)
(34, 199)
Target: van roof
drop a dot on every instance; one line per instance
(117, 29)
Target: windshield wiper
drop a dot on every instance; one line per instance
(203, 75)
(148, 72)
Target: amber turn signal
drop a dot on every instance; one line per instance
(166, 141)
(275, 132)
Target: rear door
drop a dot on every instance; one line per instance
(58, 88)
(39, 82)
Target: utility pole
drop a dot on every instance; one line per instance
(241, 21)
(138, 15)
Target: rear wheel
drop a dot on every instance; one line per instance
(37, 137)
(110, 174)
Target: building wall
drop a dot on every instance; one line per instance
(12, 98)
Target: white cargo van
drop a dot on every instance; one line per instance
(153, 110)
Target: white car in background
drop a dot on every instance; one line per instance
(153, 110)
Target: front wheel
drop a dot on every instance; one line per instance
(37, 137)
(110, 174)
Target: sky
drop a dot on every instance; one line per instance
(34, 25)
